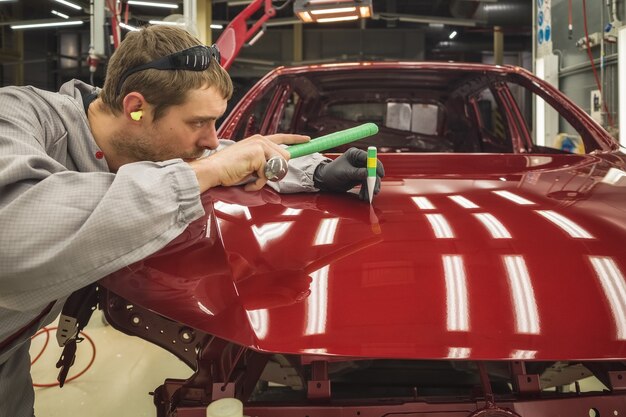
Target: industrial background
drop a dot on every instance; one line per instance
(579, 46)
(431, 30)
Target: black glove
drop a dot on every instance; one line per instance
(346, 172)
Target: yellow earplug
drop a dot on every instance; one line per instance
(136, 115)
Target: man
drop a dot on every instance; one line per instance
(93, 180)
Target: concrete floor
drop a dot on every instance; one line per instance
(125, 369)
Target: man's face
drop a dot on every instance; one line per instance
(184, 131)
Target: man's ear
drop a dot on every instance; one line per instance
(134, 106)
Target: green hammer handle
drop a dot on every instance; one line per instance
(333, 140)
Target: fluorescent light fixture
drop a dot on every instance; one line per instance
(514, 198)
(128, 27)
(522, 294)
(614, 287)
(162, 22)
(493, 225)
(152, 4)
(440, 226)
(456, 293)
(305, 17)
(238, 3)
(216, 26)
(436, 25)
(63, 15)
(423, 203)
(463, 202)
(256, 37)
(337, 19)
(338, 10)
(325, 234)
(69, 4)
(324, 11)
(568, 226)
(48, 25)
(452, 34)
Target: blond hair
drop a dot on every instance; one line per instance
(160, 88)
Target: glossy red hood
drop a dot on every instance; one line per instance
(460, 256)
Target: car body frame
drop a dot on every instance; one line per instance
(486, 279)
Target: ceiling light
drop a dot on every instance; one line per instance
(216, 26)
(337, 19)
(452, 34)
(256, 37)
(238, 2)
(152, 4)
(128, 27)
(332, 10)
(46, 25)
(63, 15)
(162, 22)
(305, 17)
(72, 5)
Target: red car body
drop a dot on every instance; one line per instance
(485, 279)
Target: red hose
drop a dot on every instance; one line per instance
(570, 24)
(45, 344)
(56, 383)
(593, 65)
(114, 23)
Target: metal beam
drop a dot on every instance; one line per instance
(428, 19)
(297, 42)
(204, 20)
(498, 45)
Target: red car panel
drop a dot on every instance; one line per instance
(478, 263)
(482, 274)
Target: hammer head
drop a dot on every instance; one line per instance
(276, 168)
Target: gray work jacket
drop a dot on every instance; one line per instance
(66, 221)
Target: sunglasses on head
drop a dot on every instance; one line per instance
(196, 58)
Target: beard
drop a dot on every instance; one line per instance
(150, 147)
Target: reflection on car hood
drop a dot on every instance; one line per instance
(481, 256)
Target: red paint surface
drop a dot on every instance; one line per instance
(247, 272)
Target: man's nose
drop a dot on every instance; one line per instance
(209, 140)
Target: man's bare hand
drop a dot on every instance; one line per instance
(236, 163)
(288, 138)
